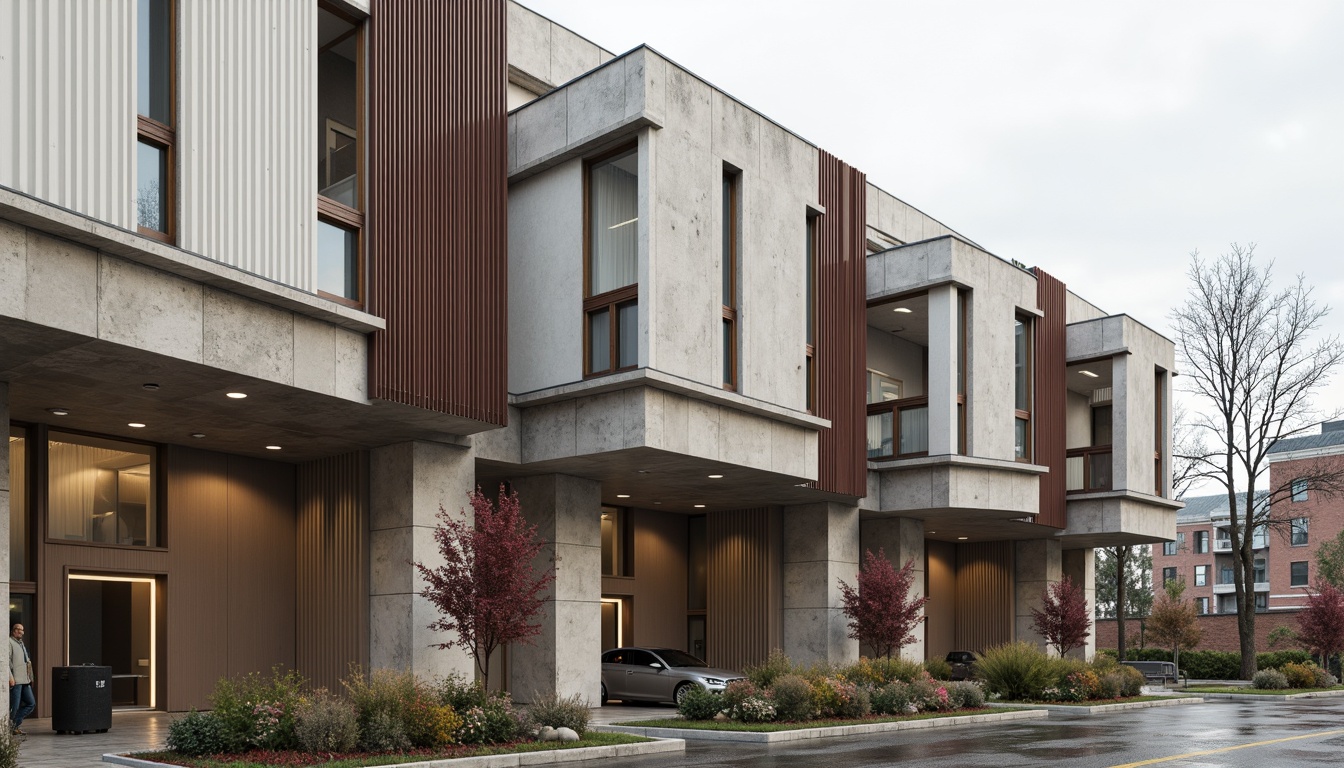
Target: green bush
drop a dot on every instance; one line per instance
(1132, 681)
(880, 671)
(892, 699)
(1276, 659)
(495, 722)
(196, 735)
(327, 723)
(776, 665)
(1149, 654)
(383, 732)
(965, 695)
(1269, 680)
(793, 698)
(9, 747)
(930, 695)
(560, 712)
(1111, 685)
(457, 692)
(753, 709)
(1107, 653)
(737, 692)
(1015, 671)
(699, 704)
(1299, 675)
(256, 711)
(1323, 679)
(938, 669)
(1211, 665)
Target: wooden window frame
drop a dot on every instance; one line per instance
(611, 300)
(164, 136)
(732, 212)
(338, 214)
(894, 407)
(1029, 331)
(41, 466)
(809, 345)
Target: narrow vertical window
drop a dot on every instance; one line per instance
(963, 318)
(810, 304)
(18, 504)
(1159, 431)
(340, 158)
(729, 279)
(154, 186)
(611, 263)
(1022, 381)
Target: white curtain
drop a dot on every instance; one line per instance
(614, 228)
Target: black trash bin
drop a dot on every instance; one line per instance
(81, 699)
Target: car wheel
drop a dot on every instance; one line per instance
(604, 694)
(679, 695)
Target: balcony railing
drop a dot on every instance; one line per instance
(1088, 469)
(1222, 545)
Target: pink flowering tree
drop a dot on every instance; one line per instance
(486, 589)
(881, 612)
(1320, 626)
(1065, 622)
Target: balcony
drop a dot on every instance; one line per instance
(1222, 545)
(1088, 469)
(1229, 588)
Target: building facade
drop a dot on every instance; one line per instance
(259, 321)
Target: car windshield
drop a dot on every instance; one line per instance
(679, 658)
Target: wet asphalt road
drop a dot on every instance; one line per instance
(1165, 736)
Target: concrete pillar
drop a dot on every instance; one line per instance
(4, 521)
(1037, 564)
(408, 483)
(943, 342)
(902, 540)
(821, 546)
(1126, 427)
(565, 658)
(1080, 566)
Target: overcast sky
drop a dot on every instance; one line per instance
(1101, 141)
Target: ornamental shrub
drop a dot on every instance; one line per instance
(699, 704)
(383, 732)
(256, 711)
(1299, 675)
(753, 709)
(930, 695)
(196, 735)
(776, 665)
(1015, 671)
(1112, 685)
(495, 722)
(792, 696)
(1276, 659)
(557, 712)
(938, 669)
(965, 695)
(1269, 680)
(326, 723)
(9, 747)
(1323, 678)
(1211, 665)
(880, 671)
(430, 724)
(894, 698)
(737, 692)
(834, 697)
(457, 692)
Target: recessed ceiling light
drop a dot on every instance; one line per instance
(198, 435)
(151, 386)
(962, 538)
(699, 506)
(932, 531)
(903, 310)
(135, 424)
(658, 503)
(236, 395)
(1089, 373)
(716, 477)
(272, 447)
(59, 411)
(622, 495)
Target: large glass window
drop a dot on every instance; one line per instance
(337, 260)
(611, 309)
(340, 157)
(616, 542)
(1260, 570)
(1201, 542)
(1168, 547)
(1168, 574)
(1022, 381)
(18, 504)
(101, 491)
(154, 102)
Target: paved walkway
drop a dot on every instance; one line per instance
(44, 748)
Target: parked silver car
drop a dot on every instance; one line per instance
(658, 674)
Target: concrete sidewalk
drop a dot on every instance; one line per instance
(131, 731)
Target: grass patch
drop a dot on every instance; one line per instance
(265, 759)
(1258, 691)
(1098, 702)
(714, 725)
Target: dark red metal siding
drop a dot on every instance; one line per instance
(841, 350)
(1049, 414)
(437, 154)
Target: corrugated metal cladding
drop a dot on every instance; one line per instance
(246, 127)
(332, 624)
(841, 350)
(985, 595)
(67, 86)
(745, 580)
(1049, 415)
(438, 205)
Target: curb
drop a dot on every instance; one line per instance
(802, 734)
(549, 757)
(1100, 709)
(1271, 697)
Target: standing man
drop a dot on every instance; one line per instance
(21, 700)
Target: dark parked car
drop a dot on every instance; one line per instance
(961, 662)
(658, 674)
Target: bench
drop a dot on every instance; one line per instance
(1157, 671)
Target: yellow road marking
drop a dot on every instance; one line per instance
(1156, 760)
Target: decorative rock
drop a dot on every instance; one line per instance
(721, 718)
(566, 734)
(548, 733)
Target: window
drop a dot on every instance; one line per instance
(1101, 425)
(1201, 575)
(18, 504)
(1201, 542)
(1299, 531)
(1168, 574)
(617, 543)
(1299, 574)
(1299, 490)
(1260, 537)
(1202, 605)
(101, 491)
(1261, 602)
(154, 127)
(810, 306)
(1225, 575)
(1160, 478)
(882, 388)
(1260, 571)
(731, 207)
(1022, 383)
(611, 306)
(1223, 538)
(340, 158)
(1168, 547)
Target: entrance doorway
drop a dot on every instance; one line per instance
(113, 623)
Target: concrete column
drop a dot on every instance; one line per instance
(943, 336)
(902, 540)
(1037, 564)
(4, 521)
(408, 483)
(821, 546)
(1126, 426)
(565, 658)
(1080, 566)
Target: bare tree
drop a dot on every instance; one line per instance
(1247, 354)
